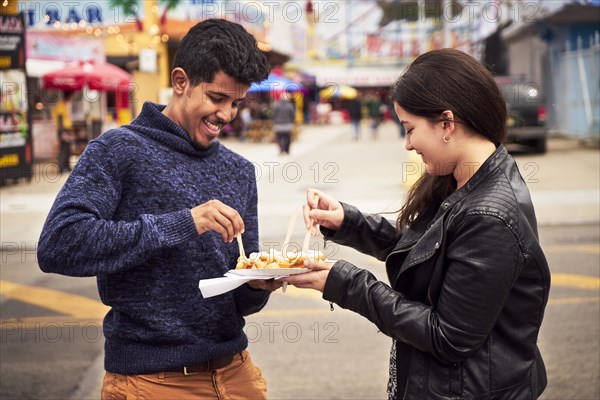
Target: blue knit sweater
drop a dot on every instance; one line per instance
(124, 216)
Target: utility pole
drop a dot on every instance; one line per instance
(446, 6)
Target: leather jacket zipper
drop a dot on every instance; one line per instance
(401, 250)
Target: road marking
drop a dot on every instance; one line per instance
(76, 307)
(574, 300)
(61, 302)
(576, 281)
(293, 291)
(572, 248)
(36, 323)
(301, 312)
(27, 202)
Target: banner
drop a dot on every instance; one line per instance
(15, 125)
(12, 42)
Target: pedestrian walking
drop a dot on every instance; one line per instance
(374, 112)
(468, 279)
(394, 117)
(284, 115)
(355, 115)
(66, 139)
(153, 207)
(246, 121)
(64, 125)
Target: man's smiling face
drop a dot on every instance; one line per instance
(203, 110)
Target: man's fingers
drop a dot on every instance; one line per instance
(221, 224)
(232, 215)
(270, 284)
(216, 216)
(233, 221)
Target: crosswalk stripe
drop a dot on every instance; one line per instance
(572, 248)
(574, 300)
(59, 301)
(576, 281)
(76, 307)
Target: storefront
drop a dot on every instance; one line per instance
(339, 85)
(15, 118)
(83, 110)
(141, 39)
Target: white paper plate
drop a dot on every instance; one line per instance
(273, 272)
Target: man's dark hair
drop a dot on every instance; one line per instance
(217, 45)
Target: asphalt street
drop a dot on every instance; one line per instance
(51, 339)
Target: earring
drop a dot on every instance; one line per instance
(446, 139)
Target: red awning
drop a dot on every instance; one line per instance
(103, 77)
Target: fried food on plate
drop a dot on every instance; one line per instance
(275, 259)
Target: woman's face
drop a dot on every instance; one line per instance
(427, 140)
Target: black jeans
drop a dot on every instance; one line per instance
(64, 156)
(283, 140)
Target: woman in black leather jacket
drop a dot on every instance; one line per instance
(468, 280)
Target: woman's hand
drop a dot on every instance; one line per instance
(315, 279)
(322, 209)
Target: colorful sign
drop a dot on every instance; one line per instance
(12, 42)
(57, 14)
(42, 46)
(13, 109)
(15, 127)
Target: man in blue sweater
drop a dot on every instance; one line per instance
(153, 207)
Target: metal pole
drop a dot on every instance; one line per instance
(585, 90)
(446, 6)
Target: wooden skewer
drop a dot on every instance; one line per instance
(241, 246)
(288, 235)
(308, 233)
(306, 242)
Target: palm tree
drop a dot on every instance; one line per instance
(169, 5)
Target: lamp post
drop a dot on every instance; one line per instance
(310, 30)
(9, 7)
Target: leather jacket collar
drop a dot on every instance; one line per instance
(423, 242)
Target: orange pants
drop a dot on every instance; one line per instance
(239, 380)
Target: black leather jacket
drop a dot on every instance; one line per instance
(468, 290)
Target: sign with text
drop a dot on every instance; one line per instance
(12, 42)
(15, 125)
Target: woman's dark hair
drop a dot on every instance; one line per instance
(217, 45)
(437, 81)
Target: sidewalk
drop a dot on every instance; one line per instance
(564, 183)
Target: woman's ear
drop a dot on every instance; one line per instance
(179, 80)
(448, 120)
(448, 115)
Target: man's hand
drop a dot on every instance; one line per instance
(265, 284)
(216, 216)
